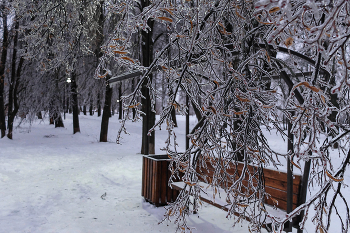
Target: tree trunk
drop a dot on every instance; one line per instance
(148, 142)
(91, 106)
(99, 32)
(58, 121)
(99, 41)
(52, 121)
(13, 105)
(14, 112)
(76, 127)
(69, 107)
(84, 110)
(290, 147)
(57, 101)
(132, 88)
(112, 108)
(120, 101)
(2, 71)
(187, 123)
(98, 105)
(106, 112)
(39, 115)
(52, 112)
(173, 111)
(334, 100)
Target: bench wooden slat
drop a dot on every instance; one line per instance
(275, 182)
(268, 173)
(280, 196)
(269, 182)
(282, 204)
(272, 174)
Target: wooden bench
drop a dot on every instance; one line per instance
(275, 185)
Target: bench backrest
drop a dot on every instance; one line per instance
(275, 182)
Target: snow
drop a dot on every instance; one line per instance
(54, 181)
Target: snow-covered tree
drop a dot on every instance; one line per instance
(5, 42)
(63, 36)
(227, 53)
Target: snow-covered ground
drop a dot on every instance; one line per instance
(54, 181)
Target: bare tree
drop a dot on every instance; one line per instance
(4, 13)
(13, 105)
(61, 35)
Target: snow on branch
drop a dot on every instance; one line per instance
(225, 55)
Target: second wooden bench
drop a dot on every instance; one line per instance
(275, 184)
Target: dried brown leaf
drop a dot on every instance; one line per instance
(274, 9)
(333, 178)
(165, 19)
(289, 41)
(128, 59)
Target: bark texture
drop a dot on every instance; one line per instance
(76, 127)
(2, 70)
(13, 105)
(148, 142)
(106, 113)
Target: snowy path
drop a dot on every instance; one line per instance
(52, 181)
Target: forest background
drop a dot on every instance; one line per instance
(239, 65)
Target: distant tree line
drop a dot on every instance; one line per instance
(245, 68)
(49, 56)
